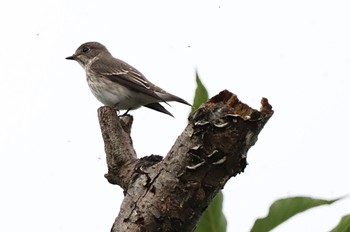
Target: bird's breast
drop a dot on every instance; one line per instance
(113, 94)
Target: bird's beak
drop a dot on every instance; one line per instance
(71, 57)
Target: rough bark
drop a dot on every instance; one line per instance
(170, 194)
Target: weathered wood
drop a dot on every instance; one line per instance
(170, 194)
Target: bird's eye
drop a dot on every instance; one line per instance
(85, 49)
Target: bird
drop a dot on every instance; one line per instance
(117, 84)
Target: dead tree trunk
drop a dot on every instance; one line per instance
(170, 194)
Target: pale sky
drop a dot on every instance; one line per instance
(295, 53)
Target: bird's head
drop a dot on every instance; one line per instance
(87, 52)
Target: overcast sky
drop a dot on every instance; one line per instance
(295, 53)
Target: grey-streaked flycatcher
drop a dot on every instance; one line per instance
(116, 83)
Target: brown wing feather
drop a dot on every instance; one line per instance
(122, 73)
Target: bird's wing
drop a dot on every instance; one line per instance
(124, 74)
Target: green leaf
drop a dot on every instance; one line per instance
(344, 225)
(283, 209)
(213, 220)
(201, 94)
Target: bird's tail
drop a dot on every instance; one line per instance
(158, 107)
(170, 97)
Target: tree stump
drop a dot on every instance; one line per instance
(171, 194)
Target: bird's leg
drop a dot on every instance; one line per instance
(116, 108)
(126, 113)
